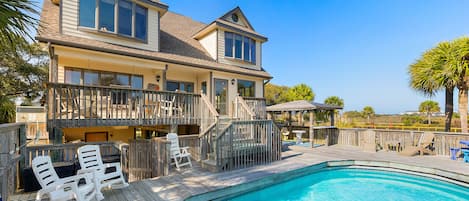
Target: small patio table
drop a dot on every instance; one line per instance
(298, 133)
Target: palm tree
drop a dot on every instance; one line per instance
(452, 60)
(427, 77)
(368, 112)
(429, 107)
(335, 100)
(444, 67)
(17, 22)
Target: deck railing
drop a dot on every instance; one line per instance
(81, 105)
(242, 110)
(148, 158)
(247, 143)
(67, 152)
(442, 142)
(258, 106)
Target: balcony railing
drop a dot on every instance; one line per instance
(80, 105)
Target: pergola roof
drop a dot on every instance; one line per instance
(300, 105)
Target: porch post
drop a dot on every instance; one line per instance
(332, 117)
(311, 133)
(163, 82)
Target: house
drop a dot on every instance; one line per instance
(122, 69)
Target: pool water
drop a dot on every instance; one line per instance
(359, 185)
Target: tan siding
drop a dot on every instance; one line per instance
(70, 27)
(233, 88)
(209, 42)
(222, 59)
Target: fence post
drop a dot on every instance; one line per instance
(22, 161)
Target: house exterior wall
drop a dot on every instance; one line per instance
(70, 27)
(75, 58)
(233, 88)
(209, 42)
(236, 62)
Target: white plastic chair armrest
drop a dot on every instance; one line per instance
(76, 178)
(73, 185)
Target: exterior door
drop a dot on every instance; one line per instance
(221, 96)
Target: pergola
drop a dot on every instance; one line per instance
(302, 106)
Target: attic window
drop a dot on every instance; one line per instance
(234, 17)
(240, 47)
(121, 17)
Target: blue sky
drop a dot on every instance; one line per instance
(358, 50)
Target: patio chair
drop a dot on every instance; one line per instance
(178, 153)
(61, 188)
(168, 108)
(90, 159)
(423, 146)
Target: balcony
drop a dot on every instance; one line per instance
(72, 105)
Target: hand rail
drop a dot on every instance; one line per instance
(243, 111)
(246, 143)
(71, 105)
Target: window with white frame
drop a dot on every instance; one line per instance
(240, 47)
(122, 17)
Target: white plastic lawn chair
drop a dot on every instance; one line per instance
(61, 188)
(90, 159)
(178, 153)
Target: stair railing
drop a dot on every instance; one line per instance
(209, 118)
(242, 111)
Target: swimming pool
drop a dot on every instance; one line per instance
(359, 184)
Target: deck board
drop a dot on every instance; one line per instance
(188, 182)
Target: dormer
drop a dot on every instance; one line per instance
(130, 23)
(231, 39)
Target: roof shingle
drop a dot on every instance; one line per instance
(176, 42)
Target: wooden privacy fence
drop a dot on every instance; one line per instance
(12, 145)
(247, 143)
(442, 142)
(151, 158)
(324, 135)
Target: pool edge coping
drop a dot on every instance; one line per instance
(238, 189)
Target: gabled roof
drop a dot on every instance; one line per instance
(226, 24)
(238, 11)
(176, 43)
(300, 105)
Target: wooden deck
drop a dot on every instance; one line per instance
(181, 185)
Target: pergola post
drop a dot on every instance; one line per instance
(332, 117)
(311, 131)
(289, 121)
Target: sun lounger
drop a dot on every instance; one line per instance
(424, 146)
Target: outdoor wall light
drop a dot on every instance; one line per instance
(233, 81)
(158, 77)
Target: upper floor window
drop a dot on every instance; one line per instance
(122, 17)
(180, 86)
(246, 88)
(240, 47)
